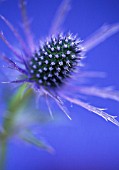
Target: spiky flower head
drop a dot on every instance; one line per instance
(55, 60)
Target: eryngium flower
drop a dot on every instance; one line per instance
(55, 60)
(53, 68)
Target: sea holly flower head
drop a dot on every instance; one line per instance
(53, 68)
(55, 60)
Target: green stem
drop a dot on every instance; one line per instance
(3, 144)
(16, 102)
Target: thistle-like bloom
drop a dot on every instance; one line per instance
(53, 68)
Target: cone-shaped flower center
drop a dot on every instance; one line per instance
(55, 60)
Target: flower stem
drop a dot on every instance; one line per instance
(16, 102)
(3, 153)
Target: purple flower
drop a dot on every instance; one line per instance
(53, 68)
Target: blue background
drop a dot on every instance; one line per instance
(86, 142)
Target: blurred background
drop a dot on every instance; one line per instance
(88, 141)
